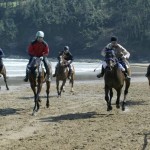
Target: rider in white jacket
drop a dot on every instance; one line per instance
(120, 53)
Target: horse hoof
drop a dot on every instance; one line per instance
(117, 106)
(123, 108)
(72, 91)
(47, 105)
(33, 114)
(109, 108)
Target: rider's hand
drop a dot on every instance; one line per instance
(41, 58)
(67, 64)
(123, 57)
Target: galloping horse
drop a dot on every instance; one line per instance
(62, 75)
(114, 79)
(3, 72)
(148, 74)
(36, 76)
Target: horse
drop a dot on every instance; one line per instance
(115, 79)
(148, 74)
(62, 75)
(3, 73)
(36, 76)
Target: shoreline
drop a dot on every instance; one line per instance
(137, 71)
(81, 77)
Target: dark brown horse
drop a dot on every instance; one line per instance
(148, 74)
(115, 79)
(3, 73)
(37, 78)
(62, 75)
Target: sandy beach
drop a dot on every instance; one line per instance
(76, 121)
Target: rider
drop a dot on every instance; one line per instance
(1, 56)
(39, 48)
(1, 53)
(68, 57)
(120, 53)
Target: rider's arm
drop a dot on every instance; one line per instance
(108, 46)
(1, 53)
(45, 50)
(124, 51)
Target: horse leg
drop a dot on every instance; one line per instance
(57, 87)
(118, 98)
(110, 98)
(61, 88)
(107, 98)
(39, 87)
(34, 91)
(4, 75)
(127, 85)
(72, 82)
(47, 93)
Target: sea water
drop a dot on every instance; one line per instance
(17, 67)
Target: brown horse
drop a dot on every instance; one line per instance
(148, 74)
(36, 76)
(62, 75)
(114, 79)
(3, 73)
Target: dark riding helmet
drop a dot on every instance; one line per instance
(66, 48)
(113, 38)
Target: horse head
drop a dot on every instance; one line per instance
(36, 64)
(62, 64)
(109, 58)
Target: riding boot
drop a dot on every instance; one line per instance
(102, 73)
(126, 75)
(125, 72)
(26, 76)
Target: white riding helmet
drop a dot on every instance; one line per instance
(40, 34)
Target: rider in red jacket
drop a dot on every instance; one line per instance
(39, 48)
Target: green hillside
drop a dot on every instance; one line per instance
(84, 25)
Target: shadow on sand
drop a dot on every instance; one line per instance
(9, 111)
(75, 116)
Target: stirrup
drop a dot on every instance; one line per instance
(100, 75)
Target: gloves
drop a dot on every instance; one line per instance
(67, 64)
(123, 57)
(41, 58)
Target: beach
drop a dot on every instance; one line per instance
(75, 121)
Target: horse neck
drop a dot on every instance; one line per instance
(1, 62)
(36, 64)
(114, 70)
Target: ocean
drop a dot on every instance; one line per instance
(17, 67)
